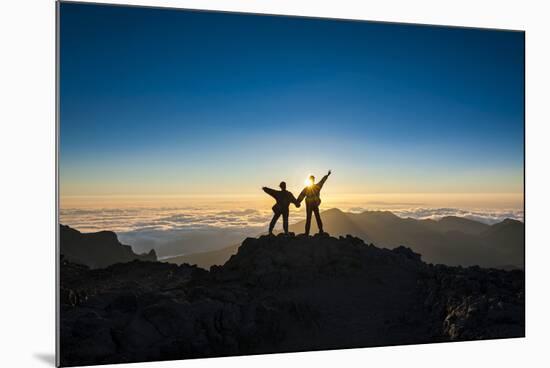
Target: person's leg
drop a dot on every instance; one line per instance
(273, 221)
(318, 218)
(308, 219)
(285, 222)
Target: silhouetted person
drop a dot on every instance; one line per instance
(312, 194)
(284, 198)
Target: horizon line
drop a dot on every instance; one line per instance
(262, 195)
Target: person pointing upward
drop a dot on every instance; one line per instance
(312, 194)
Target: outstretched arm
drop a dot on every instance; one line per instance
(271, 192)
(322, 182)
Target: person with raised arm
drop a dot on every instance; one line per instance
(283, 200)
(312, 194)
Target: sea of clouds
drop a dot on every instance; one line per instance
(174, 231)
(163, 218)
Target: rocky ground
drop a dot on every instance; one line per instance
(280, 294)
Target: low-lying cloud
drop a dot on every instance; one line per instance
(132, 219)
(174, 231)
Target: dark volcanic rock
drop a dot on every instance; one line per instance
(97, 250)
(277, 294)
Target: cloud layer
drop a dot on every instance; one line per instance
(131, 219)
(183, 230)
(173, 230)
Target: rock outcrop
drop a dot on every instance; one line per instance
(96, 250)
(280, 294)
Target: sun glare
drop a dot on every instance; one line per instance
(308, 182)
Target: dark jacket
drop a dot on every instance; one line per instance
(283, 197)
(312, 193)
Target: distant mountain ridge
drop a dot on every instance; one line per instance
(97, 250)
(450, 240)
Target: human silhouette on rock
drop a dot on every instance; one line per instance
(312, 194)
(284, 198)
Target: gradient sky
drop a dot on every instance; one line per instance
(178, 102)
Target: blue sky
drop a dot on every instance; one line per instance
(160, 101)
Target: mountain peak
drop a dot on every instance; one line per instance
(511, 221)
(334, 211)
(99, 249)
(283, 258)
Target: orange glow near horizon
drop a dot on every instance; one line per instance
(330, 200)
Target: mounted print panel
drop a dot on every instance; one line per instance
(235, 184)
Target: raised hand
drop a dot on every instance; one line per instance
(329, 172)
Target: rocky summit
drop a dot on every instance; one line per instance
(281, 294)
